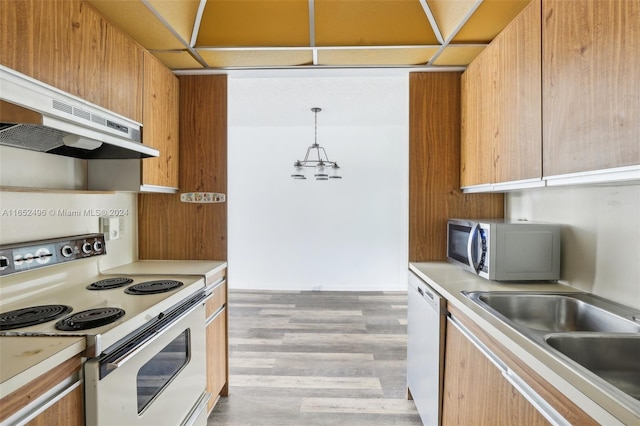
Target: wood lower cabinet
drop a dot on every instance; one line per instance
(475, 391)
(217, 348)
(68, 411)
(591, 85)
(160, 124)
(501, 106)
(67, 408)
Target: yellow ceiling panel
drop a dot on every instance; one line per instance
(257, 58)
(356, 57)
(371, 23)
(134, 18)
(488, 20)
(177, 60)
(449, 13)
(181, 15)
(458, 55)
(254, 23)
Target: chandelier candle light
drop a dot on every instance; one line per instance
(324, 169)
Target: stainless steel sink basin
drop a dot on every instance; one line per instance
(558, 312)
(614, 358)
(595, 337)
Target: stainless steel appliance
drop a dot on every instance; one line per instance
(504, 250)
(145, 357)
(426, 326)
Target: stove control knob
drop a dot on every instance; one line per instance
(86, 248)
(4, 263)
(97, 246)
(43, 256)
(67, 251)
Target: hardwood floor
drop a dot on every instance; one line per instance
(316, 358)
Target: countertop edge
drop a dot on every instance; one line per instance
(205, 268)
(595, 402)
(45, 366)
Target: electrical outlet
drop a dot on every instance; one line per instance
(111, 227)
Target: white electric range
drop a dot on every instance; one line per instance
(145, 335)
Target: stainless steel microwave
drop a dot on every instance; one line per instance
(504, 250)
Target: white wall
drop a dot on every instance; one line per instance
(349, 234)
(601, 238)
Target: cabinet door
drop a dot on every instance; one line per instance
(68, 411)
(217, 357)
(160, 123)
(501, 102)
(477, 121)
(476, 393)
(68, 45)
(518, 132)
(591, 85)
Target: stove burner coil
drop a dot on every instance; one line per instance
(90, 318)
(32, 315)
(109, 283)
(153, 287)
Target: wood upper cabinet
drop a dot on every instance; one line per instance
(70, 46)
(476, 122)
(591, 84)
(160, 123)
(501, 103)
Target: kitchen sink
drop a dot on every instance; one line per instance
(596, 338)
(558, 312)
(614, 358)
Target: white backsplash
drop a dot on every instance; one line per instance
(31, 169)
(601, 239)
(36, 215)
(27, 216)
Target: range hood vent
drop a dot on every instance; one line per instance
(38, 117)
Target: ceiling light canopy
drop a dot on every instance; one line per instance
(316, 158)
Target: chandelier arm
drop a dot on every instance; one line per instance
(306, 157)
(325, 154)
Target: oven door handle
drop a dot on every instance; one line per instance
(144, 342)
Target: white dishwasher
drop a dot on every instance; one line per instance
(426, 323)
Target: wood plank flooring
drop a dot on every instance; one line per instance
(316, 358)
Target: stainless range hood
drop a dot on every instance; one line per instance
(39, 117)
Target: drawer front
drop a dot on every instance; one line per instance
(218, 300)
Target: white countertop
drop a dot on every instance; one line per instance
(450, 281)
(27, 358)
(205, 268)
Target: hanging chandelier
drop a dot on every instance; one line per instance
(317, 159)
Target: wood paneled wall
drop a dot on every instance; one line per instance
(169, 228)
(434, 166)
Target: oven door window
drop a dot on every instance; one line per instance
(160, 370)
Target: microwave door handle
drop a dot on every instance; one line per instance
(470, 244)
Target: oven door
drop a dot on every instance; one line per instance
(157, 377)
